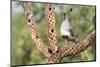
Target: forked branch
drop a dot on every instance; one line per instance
(72, 49)
(58, 52)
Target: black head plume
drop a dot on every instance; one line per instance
(69, 11)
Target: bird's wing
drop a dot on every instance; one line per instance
(71, 32)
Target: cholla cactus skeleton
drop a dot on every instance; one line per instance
(58, 52)
(51, 21)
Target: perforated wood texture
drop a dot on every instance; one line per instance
(51, 21)
(31, 22)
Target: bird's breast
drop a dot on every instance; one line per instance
(65, 27)
(64, 32)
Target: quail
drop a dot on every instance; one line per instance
(66, 29)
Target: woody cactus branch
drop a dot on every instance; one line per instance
(51, 21)
(72, 49)
(79, 47)
(31, 22)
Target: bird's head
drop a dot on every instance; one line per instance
(66, 14)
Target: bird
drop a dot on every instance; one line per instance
(66, 29)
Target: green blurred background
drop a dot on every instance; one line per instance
(24, 51)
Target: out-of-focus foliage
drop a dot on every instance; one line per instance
(24, 51)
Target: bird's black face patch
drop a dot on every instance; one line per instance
(64, 15)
